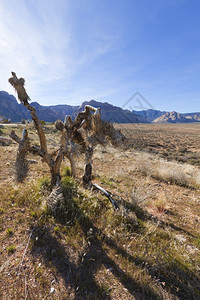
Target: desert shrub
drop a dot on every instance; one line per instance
(183, 149)
(169, 171)
(172, 175)
(197, 181)
(67, 172)
(68, 211)
(44, 184)
(9, 232)
(11, 249)
(69, 187)
(42, 122)
(144, 164)
(57, 229)
(182, 158)
(139, 195)
(161, 202)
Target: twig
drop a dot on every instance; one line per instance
(25, 285)
(7, 261)
(21, 262)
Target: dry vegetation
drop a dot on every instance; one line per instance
(92, 251)
(180, 142)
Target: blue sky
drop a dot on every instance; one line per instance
(72, 51)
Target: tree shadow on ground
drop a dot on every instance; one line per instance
(176, 277)
(144, 215)
(80, 275)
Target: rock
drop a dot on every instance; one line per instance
(181, 238)
(32, 161)
(4, 141)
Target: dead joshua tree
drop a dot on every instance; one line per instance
(80, 135)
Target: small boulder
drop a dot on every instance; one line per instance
(4, 141)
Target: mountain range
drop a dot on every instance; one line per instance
(11, 109)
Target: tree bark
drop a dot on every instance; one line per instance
(87, 177)
(21, 163)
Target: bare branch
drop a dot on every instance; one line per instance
(18, 85)
(37, 150)
(14, 136)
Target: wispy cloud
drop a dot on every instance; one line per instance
(37, 42)
(69, 51)
(31, 46)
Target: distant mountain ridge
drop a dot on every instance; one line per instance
(11, 109)
(174, 117)
(149, 115)
(195, 116)
(112, 113)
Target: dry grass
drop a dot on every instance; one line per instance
(180, 142)
(92, 252)
(168, 171)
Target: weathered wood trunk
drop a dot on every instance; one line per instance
(24, 145)
(87, 177)
(21, 163)
(71, 158)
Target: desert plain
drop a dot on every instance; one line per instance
(152, 251)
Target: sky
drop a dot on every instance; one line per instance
(136, 54)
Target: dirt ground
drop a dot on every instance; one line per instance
(101, 255)
(179, 142)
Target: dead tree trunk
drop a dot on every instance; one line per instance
(54, 164)
(21, 163)
(87, 177)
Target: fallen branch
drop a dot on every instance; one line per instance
(107, 194)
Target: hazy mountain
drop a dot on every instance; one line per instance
(112, 113)
(109, 112)
(174, 117)
(149, 115)
(44, 113)
(194, 116)
(64, 110)
(11, 109)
